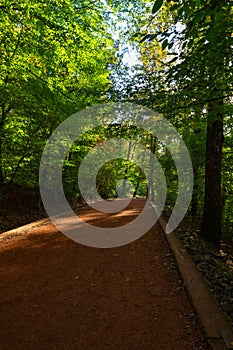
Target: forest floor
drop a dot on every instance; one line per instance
(216, 266)
(58, 294)
(18, 206)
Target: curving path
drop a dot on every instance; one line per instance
(57, 294)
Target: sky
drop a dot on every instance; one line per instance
(131, 57)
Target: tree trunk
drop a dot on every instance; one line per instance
(2, 123)
(194, 201)
(127, 168)
(1, 171)
(212, 216)
(138, 184)
(151, 189)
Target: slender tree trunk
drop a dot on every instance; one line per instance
(138, 183)
(151, 189)
(212, 216)
(2, 123)
(1, 170)
(127, 168)
(194, 202)
(140, 176)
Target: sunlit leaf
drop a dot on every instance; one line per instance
(157, 5)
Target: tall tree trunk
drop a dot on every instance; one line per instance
(127, 168)
(138, 183)
(2, 123)
(151, 193)
(140, 176)
(1, 170)
(194, 201)
(212, 216)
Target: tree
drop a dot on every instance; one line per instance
(199, 74)
(54, 61)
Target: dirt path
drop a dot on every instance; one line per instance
(57, 294)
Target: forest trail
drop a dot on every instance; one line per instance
(58, 294)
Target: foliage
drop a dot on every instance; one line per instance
(113, 174)
(54, 61)
(192, 85)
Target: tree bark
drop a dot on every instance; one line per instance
(151, 193)
(1, 171)
(2, 123)
(194, 201)
(212, 216)
(127, 167)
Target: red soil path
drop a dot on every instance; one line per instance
(58, 294)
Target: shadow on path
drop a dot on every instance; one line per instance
(58, 294)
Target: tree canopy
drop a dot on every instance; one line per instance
(198, 81)
(54, 61)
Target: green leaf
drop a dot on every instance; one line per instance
(164, 44)
(198, 17)
(174, 7)
(152, 37)
(170, 46)
(173, 60)
(190, 43)
(157, 5)
(148, 37)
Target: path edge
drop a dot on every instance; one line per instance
(21, 229)
(18, 231)
(216, 328)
